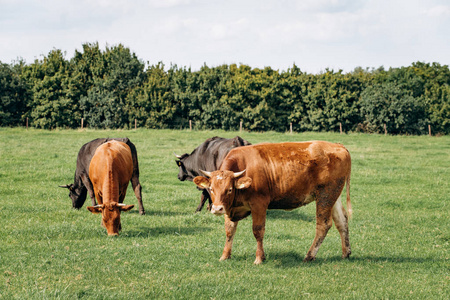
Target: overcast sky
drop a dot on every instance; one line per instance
(313, 34)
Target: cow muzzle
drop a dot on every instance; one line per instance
(218, 209)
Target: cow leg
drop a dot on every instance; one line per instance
(202, 201)
(138, 192)
(88, 184)
(230, 230)
(100, 201)
(205, 196)
(259, 228)
(123, 193)
(209, 202)
(341, 221)
(323, 224)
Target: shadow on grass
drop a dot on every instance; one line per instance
(156, 232)
(289, 215)
(294, 259)
(159, 213)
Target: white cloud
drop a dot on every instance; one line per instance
(438, 11)
(328, 6)
(168, 3)
(313, 33)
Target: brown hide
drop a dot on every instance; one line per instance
(282, 176)
(110, 171)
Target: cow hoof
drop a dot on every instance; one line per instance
(347, 255)
(258, 261)
(142, 212)
(224, 257)
(309, 258)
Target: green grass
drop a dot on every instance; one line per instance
(399, 232)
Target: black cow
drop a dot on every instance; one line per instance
(82, 184)
(208, 156)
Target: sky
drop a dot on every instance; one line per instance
(312, 34)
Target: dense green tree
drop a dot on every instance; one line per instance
(388, 104)
(106, 78)
(436, 88)
(52, 105)
(437, 101)
(89, 68)
(152, 104)
(111, 88)
(15, 94)
(101, 108)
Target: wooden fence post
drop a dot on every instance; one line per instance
(385, 130)
(82, 120)
(240, 126)
(290, 128)
(190, 125)
(429, 129)
(27, 123)
(135, 124)
(340, 127)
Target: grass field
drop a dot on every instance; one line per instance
(399, 232)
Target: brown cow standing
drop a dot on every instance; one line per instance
(281, 176)
(110, 171)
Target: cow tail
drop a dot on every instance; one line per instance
(349, 204)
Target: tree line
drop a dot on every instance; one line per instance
(113, 88)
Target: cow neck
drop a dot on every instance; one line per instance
(234, 203)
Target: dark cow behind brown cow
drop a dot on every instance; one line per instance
(208, 156)
(285, 176)
(110, 171)
(82, 184)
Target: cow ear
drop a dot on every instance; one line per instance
(202, 182)
(126, 207)
(95, 209)
(243, 183)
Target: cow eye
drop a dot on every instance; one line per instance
(212, 192)
(230, 190)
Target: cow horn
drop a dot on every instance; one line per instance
(206, 173)
(121, 204)
(67, 186)
(177, 156)
(98, 206)
(236, 175)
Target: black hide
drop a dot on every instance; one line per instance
(208, 157)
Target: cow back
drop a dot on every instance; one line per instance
(289, 172)
(210, 154)
(112, 164)
(87, 151)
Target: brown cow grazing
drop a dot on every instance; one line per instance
(82, 184)
(281, 176)
(110, 171)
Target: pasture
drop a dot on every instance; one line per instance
(399, 232)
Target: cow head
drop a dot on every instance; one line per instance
(222, 186)
(77, 193)
(110, 215)
(183, 173)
